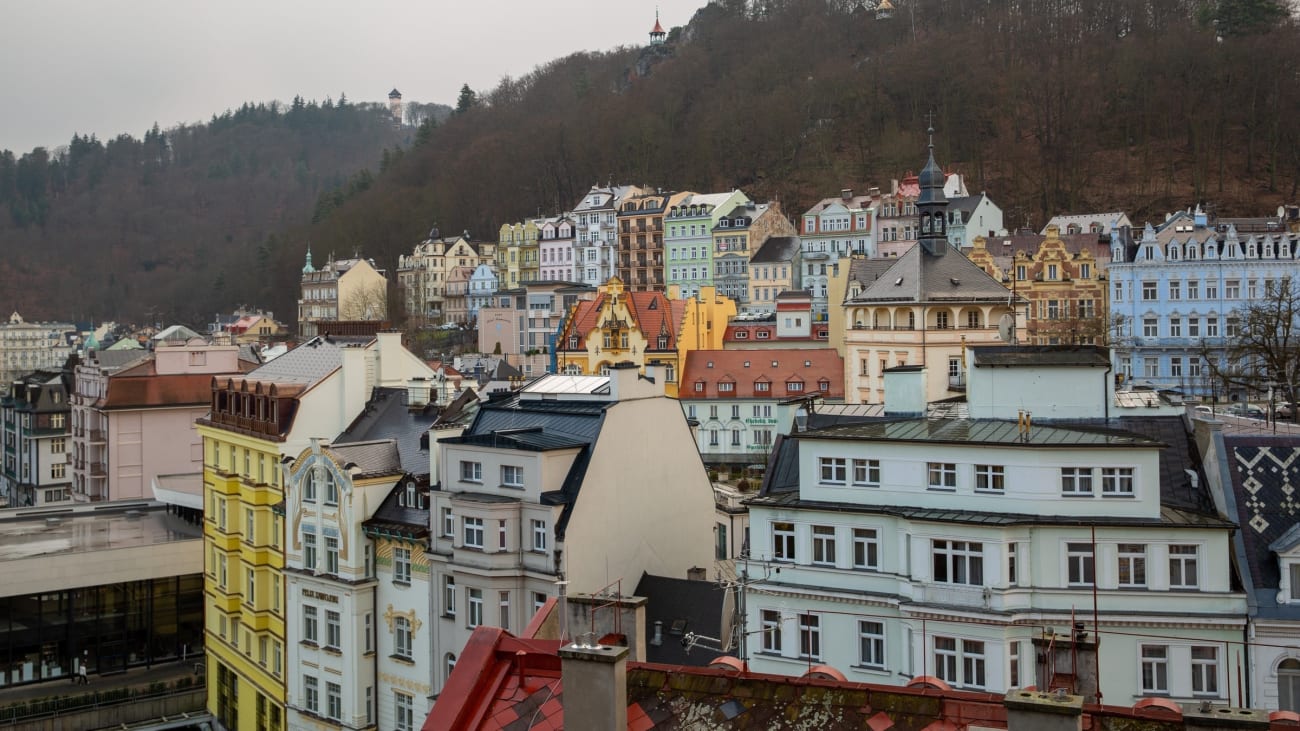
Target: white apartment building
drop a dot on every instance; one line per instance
(558, 483)
(31, 346)
(964, 547)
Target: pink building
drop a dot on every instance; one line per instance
(556, 246)
(133, 423)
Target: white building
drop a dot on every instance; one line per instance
(964, 546)
(31, 346)
(559, 482)
(597, 233)
(330, 582)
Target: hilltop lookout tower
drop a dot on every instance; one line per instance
(395, 104)
(657, 34)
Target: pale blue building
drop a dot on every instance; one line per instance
(1176, 293)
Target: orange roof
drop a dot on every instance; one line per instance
(658, 29)
(652, 313)
(815, 369)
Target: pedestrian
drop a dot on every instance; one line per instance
(85, 660)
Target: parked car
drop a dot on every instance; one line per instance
(1286, 410)
(1247, 411)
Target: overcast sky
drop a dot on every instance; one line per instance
(109, 67)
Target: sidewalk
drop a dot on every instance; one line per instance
(140, 678)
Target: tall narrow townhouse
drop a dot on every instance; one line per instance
(572, 478)
(595, 218)
(991, 551)
(330, 580)
(688, 239)
(556, 249)
(737, 236)
(641, 239)
(834, 229)
(256, 422)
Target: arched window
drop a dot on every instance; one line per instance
(1288, 685)
(973, 319)
(941, 320)
(911, 320)
(450, 663)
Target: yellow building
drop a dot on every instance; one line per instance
(649, 329)
(314, 390)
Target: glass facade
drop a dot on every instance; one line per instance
(114, 626)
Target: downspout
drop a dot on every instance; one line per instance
(1105, 391)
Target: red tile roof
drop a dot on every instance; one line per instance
(813, 367)
(506, 682)
(652, 313)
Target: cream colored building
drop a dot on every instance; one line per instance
(424, 277)
(923, 308)
(343, 289)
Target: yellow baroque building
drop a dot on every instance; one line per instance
(651, 329)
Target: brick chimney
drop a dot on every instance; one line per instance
(595, 686)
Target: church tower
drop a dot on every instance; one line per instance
(932, 206)
(657, 34)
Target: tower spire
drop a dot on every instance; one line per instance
(932, 204)
(308, 268)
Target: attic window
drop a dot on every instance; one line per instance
(807, 364)
(699, 386)
(709, 364)
(823, 385)
(746, 364)
(654, 304)
(742, 335)
(762, 334)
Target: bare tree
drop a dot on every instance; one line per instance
(1261, 348)
(365, 303)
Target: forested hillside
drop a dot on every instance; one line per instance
(180, 223)
(1051, 106)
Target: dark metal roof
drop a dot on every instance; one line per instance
(995, 432)
(1168, 515)
(387, 416)
(532, 439)
(682, 605)
(1041, 355)
(394, 518)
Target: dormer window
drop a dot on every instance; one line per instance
(742, 335)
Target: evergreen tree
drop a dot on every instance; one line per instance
(1241, 17)
(467, 100)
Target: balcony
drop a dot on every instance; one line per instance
(95, 436)
(957, 382)
(97, 470)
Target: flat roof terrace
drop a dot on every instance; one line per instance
(51, 549)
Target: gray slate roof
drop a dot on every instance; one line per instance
(307, 364)
(682, 605)
(386, 416)
(919, 277)
(1265, 472)
(371, 458)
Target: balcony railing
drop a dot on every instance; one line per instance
(96, 436)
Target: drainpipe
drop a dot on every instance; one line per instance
(1105, 392)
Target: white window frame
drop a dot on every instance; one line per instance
(1153, 678)
(990, 478)
(539, 535)
(770, 620)
(823, 540)
(1205, 670)
(941, 475)
(866, 549)
(472, 533)
(1131, 565)
(401, 565)
(1080, 564)
(471, 471)
(1118, 481)
(1076, 481)
(512, 475)
(1183, 557)
(866, 473)
(964, 559)
(833, 470)
(810, 636)
(871, 644)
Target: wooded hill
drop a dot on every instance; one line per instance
(180, 224)
(1052, 106)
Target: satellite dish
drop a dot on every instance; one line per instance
(728, 619)
(1006, 328)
